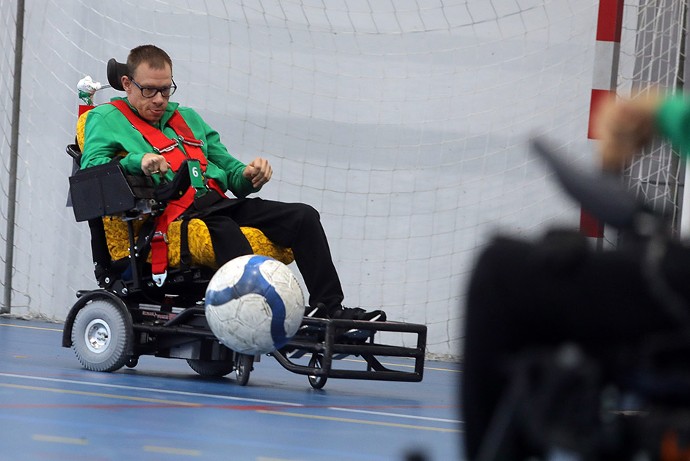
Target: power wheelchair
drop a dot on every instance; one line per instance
(131, 315)
(632, 405)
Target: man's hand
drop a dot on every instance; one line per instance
(154, 164)
(259, 172)
(623, 128)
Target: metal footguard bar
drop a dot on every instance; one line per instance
(335, 343)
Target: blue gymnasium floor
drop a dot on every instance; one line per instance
(52, 409)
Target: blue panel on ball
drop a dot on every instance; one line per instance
(252, 281)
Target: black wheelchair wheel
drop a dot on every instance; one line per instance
(211, 368)
(244, 364)
(132, 362)
(101, 337)
(317, 382)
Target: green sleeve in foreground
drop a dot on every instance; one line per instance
(673, 123)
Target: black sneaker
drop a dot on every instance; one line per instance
(314, 312)
(355, 313)
(317, 312)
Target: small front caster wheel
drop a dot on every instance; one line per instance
(244, 364)
(317, 382)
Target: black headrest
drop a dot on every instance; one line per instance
(115, 72)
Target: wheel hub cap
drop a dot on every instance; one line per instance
(97, 336)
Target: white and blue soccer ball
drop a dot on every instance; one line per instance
(254, 304)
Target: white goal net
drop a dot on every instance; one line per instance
(405, 123)
(652, 58)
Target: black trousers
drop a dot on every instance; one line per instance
(524, 295)
(294, 225)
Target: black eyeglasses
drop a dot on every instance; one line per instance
(150, 92)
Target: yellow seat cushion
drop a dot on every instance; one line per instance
(199, 238)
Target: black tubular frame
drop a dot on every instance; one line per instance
(335, 343)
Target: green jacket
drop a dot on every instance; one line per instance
(107, 132)
(673, 122)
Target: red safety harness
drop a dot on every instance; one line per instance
(175, 156)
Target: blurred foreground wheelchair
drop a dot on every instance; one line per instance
(635, 404)
(133, 313)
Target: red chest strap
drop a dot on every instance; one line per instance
(161, 144)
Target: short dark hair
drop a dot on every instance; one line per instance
(150, 54)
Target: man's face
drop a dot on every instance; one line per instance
(150, 109)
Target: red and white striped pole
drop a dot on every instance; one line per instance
(604, 82)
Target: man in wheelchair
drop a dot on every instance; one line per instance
(153, 137)
(548, 324)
